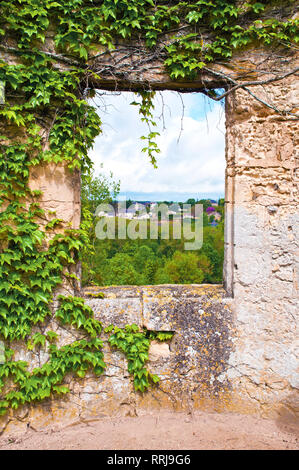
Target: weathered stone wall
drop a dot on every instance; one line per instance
(191, 366)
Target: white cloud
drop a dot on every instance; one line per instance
(195, 164)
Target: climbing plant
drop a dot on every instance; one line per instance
(50, 56)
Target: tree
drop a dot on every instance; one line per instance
(191, 201)
(205, 266)
(141, 256)
(205, 219)
(205, 202)
(150, 270)
(162, 277)
(215, 259)
(120, 271)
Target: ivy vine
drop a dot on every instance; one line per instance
(47, 52)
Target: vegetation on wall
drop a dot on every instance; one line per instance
(48, 51)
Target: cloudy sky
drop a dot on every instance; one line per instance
(191, 162)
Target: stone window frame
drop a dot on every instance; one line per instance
(228, 264)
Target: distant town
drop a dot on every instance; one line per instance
(213, 211)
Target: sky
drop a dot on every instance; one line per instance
(192, 143)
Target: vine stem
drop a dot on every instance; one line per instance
(245, 86)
